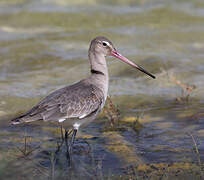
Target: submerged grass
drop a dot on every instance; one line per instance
(162, 171)
(111, 112)
(122, 148)
(186, 89)
(197, 153)
(31, 163)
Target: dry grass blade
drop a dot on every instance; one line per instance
(111, 111)
(196, 150)
(187, 89)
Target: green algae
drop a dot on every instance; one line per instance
(122, 148)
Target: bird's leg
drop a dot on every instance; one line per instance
(61, 131)
(67, 133)
(59, 144)
(62, 135)
(73, 136)
(72, 140)
(69, 145)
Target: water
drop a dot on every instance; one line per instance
(43, 47)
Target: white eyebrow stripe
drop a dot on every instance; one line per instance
(108, 44)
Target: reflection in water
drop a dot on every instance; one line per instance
(52, 160)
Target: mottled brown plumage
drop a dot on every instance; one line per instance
(75, 101)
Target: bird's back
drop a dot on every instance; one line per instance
(75, 101)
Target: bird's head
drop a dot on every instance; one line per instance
(104, 47)
(101, 45)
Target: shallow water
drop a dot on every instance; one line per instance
(43, 46)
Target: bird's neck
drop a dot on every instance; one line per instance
(99, 71)
(98, 63)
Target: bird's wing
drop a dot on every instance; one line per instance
(75, 101)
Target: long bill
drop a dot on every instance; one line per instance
(124, 59)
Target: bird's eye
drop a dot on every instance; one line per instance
(104, 44)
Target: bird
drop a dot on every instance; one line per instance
(80, 102)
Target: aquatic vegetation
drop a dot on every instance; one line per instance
(111, 112)
(164, 171)
(197, 152)
(148, 130)
(186, 89)
(122, 148)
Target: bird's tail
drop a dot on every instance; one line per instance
(23, 118)
(17, 120)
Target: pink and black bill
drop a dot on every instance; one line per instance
(124, 59)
